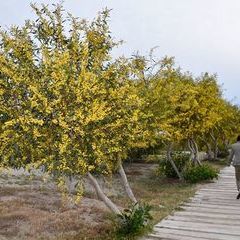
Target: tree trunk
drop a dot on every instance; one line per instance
(192, 145)
(169, 158)
(215, 142)
(102, 195)
(209, 151)
(226, 145)
(191, 149)
(216, 150)
(196, 152)
(126, 183)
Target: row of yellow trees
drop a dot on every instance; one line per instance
(65, 104)
(186, 111)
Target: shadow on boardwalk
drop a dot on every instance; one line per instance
(213, 213)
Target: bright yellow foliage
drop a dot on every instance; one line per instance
(64, 103)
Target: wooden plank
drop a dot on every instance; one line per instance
(220, 191)
(207, 210)
(210, 215)
(210, 198)
(231, 198)
(213, 195)
(212, 236)
(201, 227)
(215, 206)
(170, 236)
(209, 220)
(214, 202)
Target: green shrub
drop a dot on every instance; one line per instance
(223, 153)
(133, 221)
(196, 173)
(179, 158)
(139, 154)
(155, 158)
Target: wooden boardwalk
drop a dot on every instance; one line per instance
(213, 213)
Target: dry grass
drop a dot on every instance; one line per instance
(34, 211)
(30, 213)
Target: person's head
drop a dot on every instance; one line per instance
(238, 138)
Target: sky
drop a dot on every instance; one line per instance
(202, 35)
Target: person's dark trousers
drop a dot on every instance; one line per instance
(237, 175)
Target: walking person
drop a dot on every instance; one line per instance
(234, 158)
